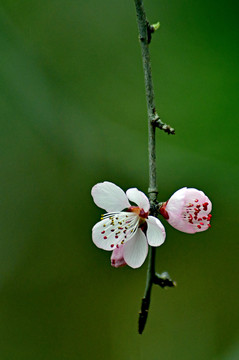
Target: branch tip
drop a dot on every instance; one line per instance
(157, 122)
(164, 280)
(155, 27)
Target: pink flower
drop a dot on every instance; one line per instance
(133, 227)
(188, 210)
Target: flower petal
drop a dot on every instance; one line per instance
(136, 250)
(117, 258)
(109, 196)
(155, 231)
(102, 236)
(177, 201)
(139, 198)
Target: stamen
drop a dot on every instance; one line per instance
(205, 206)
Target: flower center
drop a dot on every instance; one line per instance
(140, 212)
(197, 214)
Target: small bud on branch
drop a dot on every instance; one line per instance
(157, 122)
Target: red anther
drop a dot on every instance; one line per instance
(102, 232)
(209, 225)
(117, 246)
(199, 226)
(205, 206)
(105, 237)
(116, 236)
(199, 219)
(112, 230)
(112, 245)
(196, 200)
(201, 223)
(204, 218)
(198, 206)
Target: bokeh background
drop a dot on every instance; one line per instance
(73, 113)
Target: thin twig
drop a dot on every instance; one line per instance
(143, 27)
(157, 122)
(145, 38)
(145, 34)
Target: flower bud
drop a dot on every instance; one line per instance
(188, 210)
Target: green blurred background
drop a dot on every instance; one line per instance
(73, 113)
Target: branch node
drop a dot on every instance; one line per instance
(143, 314)
(152, 191)
(149, 32)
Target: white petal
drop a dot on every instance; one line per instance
(103, 241)
(155, 231)
(136, 250)
(139, 198)
(109, 196)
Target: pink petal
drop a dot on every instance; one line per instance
(136, 250)
(117, 258)
(176, 202)
(139, 198)
(155, 231)
(188, 210)
(109, 196)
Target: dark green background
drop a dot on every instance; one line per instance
(73, 113)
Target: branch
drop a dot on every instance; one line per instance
(145, 38)
(143, 27)
(149, 283)
(145, 34)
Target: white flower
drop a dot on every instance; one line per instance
(133, 227)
